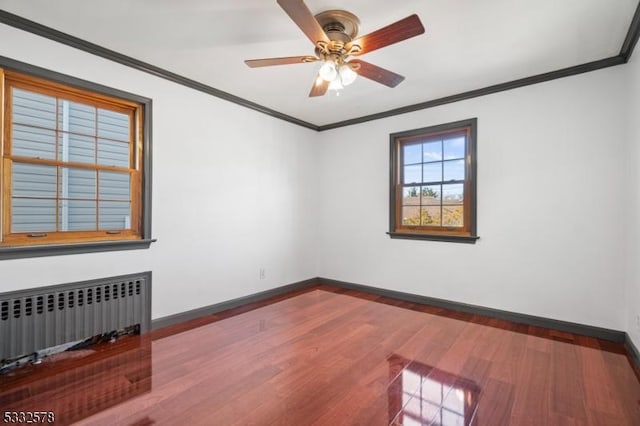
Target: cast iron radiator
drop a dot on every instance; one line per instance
(40, 318)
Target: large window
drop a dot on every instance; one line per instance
(433, 183)
(72, 164)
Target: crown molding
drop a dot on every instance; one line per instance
(527, 81)
(631, 39)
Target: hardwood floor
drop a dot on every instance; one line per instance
(327, 356)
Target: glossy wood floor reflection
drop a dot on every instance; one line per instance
(326, 356)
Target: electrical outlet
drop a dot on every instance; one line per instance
(263, 273)
(638, 322)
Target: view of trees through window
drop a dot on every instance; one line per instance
(433, 176)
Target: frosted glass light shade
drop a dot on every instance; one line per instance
(347, 75)
(328, 71)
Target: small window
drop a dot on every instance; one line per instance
(72, 164)
(433, 183)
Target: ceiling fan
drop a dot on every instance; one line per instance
(333, 33)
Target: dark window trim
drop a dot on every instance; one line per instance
(23, 252)
(434, 237)
(17, 252)
(472, 124)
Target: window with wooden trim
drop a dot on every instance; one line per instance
(72, 164)
(433, 183)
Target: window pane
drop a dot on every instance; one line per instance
(77, 148)
(431, 216)
(453, 216)
(77, 215)
(33, 142)
(411, 196)
(76, 118)
(411, 215)
(413, 174)
(430, 412)
(409, 421)
(114, 215)
(454, 401)
(453, 419)
(406, 397)
(453, 170)
(412, 154)
(454, 148)
(112, 153)
(453, 193)
(33, 215)
(113, 125)
(77, 183)
(432, 151)
(114, 186)
(30, 180)
(410, 381)
(33, 109)
(432, 172)
(413, 408)
(432, 391)
(431, 195)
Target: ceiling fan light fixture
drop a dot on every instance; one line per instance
(328, 71)
(347, 75)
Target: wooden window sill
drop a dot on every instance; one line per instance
(22, 252)
(467, 239)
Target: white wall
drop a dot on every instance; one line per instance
(551, 204)
(633, 290)
(233, 191)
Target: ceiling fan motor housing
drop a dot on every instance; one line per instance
(335, 32)
(341, 27)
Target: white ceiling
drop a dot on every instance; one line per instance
(468, 44)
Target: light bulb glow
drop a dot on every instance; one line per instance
(328, 71)
(347, 75)
(335, 85)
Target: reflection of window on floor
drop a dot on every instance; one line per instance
(425, 400)
(426, 395)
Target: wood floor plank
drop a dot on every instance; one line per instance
(567, 387)
(599, 390)
(496, 403)
(533, 396)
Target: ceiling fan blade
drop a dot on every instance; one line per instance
(267, 62)
(302, 16)
(393, 33)
(319, 88)
(376, 73)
